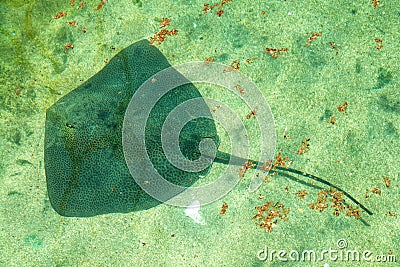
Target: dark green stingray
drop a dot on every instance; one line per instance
(85, 167)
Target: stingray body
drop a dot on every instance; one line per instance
(86, 171)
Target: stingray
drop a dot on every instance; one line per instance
(86, 171)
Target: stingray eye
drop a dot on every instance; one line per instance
(69, 125)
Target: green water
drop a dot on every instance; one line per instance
(303, 86)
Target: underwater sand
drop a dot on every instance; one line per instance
(303, 86)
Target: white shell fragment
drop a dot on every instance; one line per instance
(192, 211)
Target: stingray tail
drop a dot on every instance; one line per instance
(225, 158)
